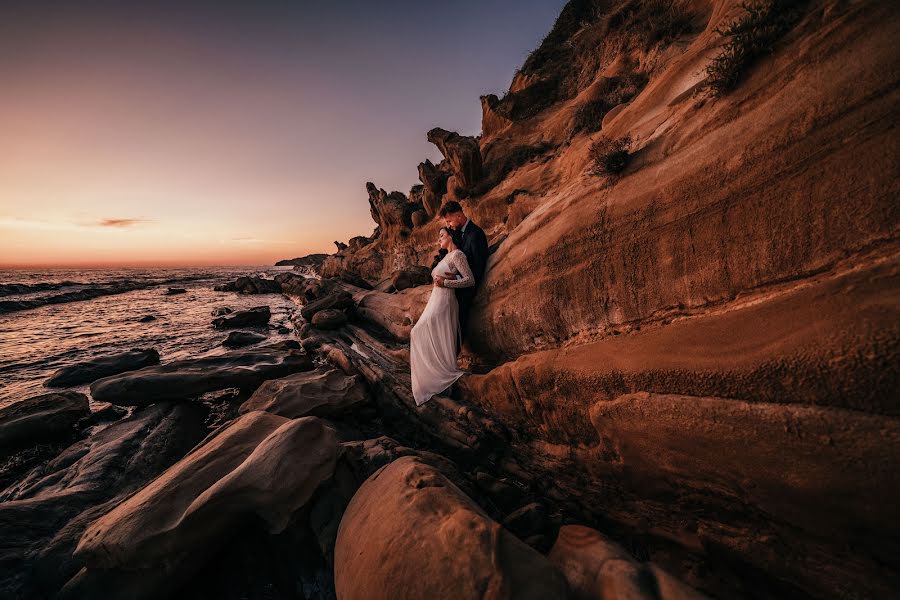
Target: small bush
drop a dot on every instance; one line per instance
(609, 157)
(751, 36)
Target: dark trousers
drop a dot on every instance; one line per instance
(465, 306)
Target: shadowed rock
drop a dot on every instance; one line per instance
(339, 300)
(261, 468)
(42, 417)
(239, 339)
(323, 392)
(409, 532)
(43, 516)
(411, 277)
(434, 182)
(329, 318)
(258, 315)
(250, 285)
(91, 370)
(189, 378)
(597, 568)
(463, 154)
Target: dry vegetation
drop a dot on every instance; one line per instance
(749, 37)
(609, 157)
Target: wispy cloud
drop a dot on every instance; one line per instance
(121, 223)
(253, 240)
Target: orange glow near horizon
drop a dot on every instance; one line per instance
(230, 133)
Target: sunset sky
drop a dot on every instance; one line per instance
(145, 133)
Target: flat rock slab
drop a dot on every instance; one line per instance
(259, 466)
(239, 339)
(323, 392)
(189, 378)
(42, 417)
(409, 532)
(258, 315)
(104, 366)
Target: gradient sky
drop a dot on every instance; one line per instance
(147, 133)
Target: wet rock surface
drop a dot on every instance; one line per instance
(41, 418)
(189, 378)
(91, 370)
(256, 316)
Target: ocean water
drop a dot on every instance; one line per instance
(37, 341)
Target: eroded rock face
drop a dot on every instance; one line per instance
(329, 318)
(91, 370)
(321, 393)
(40, 418)
(492, 122)
(463, 154)
(189, 378)
(260, 465)
(410, 533)
(434, 182)
(391, 211)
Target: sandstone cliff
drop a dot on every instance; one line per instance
(699, 350)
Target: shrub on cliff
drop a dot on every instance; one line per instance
(749, 37)
(498, 165)
(609, 157)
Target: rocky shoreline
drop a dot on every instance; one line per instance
(683, 370)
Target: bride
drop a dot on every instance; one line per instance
(434, 338)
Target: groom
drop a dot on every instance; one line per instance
(475, 247)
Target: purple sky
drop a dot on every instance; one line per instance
(231, 133)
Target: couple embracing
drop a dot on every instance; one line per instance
(436, 338)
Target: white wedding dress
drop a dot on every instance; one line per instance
(432, 344)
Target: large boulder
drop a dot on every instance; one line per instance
(259, 468)
(409, 532)
(41, 417)
(104, 366)
(239, 339)
(397, 313)
(190, 378)
(597, 568)
(330, 318)
(43, 516)
(463, 154)
(338, 300)
(322, 393)
(256, 316)
(410, 277)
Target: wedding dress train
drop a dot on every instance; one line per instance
(434, 338)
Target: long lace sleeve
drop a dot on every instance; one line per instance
(459, 261)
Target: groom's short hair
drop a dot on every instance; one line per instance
(451, 207)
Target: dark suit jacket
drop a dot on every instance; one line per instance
(475, 247)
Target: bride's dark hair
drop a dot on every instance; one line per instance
(456, 236)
